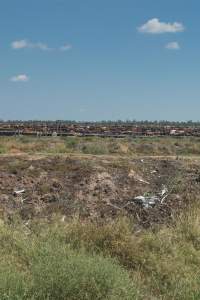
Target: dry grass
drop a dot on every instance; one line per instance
(86, 260)
(40, 265)
(163, 264)
(128, 146)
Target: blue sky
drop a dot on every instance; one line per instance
(100, 59)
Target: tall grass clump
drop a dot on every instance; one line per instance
(62, 274)
(41, 265)
(95, 148)
(167, 261)
(85, 260)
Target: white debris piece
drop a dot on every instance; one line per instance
(63, 218)
(146, 202)
(143, 181)
(133, 174)
(153, 172)
(16, 193)
(164, 191)
(31, 168)
(151, 201)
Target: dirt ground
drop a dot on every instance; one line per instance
(97, 187)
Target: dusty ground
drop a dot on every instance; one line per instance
(97, 187)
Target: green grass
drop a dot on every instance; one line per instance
(3, 149)
(97, 146)
(76, 260)
(167, 261)
(41, 265)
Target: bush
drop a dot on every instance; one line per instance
(62, 274)
(41, 266)
(77, 260)
(95, 148)
(166, 261)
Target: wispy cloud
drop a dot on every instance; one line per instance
(22, 44)
(154, 26)
(20, 78)
(19, 44)
(66, 47)
(173, 46)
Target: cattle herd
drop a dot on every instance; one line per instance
(102, 129)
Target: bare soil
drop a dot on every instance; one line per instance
(96, 187)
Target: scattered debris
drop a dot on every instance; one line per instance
(164, 191)
(154, 171)
(31, 168)
(146, 202)
(143, 181)
(63, 218)
(151, 201)
(133, 174)
(16, 193)
(98, 190)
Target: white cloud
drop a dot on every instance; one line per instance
(173, 46)
(66, 47)
(22, 44)
(41, 46)
(20, 78)
(19, 44)
(154, 26)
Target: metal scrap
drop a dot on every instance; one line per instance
(146, 202)
(151, 201)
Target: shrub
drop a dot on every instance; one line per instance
(40, 266)
(167, 261)
(61, 274)
(77, 260)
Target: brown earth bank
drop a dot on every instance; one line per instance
(151, 190)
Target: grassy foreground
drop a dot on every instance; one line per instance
(75, 260)
(72, 259)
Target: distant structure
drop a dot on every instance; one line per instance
(117, 129)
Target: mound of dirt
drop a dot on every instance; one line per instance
(97, 188)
